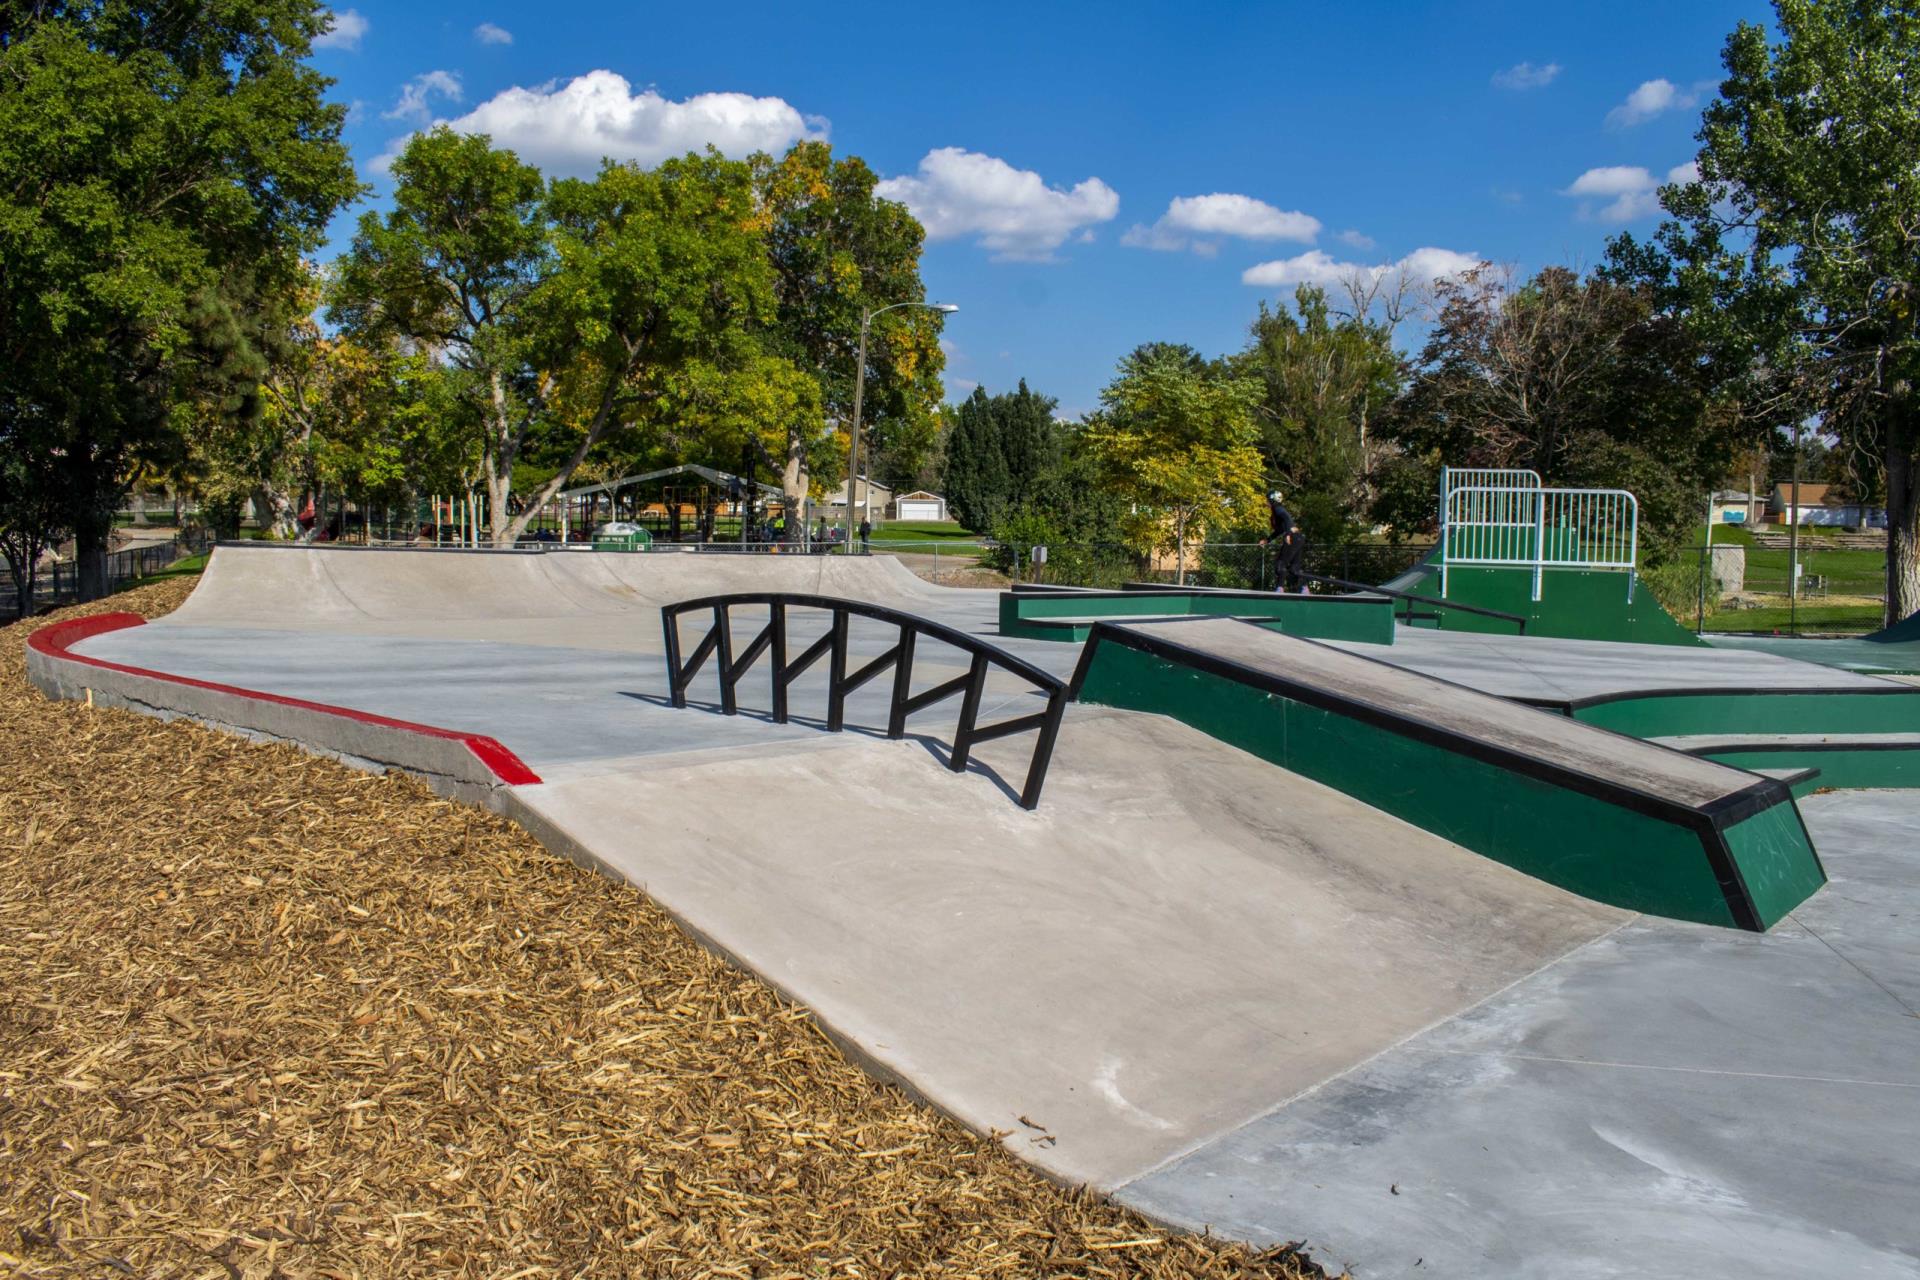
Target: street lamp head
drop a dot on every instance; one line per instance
(946, 308)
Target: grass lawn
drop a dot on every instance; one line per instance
(1812, 615)
(923, 531)
(184, 568)
(1844, 571)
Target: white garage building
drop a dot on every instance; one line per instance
(919, 505)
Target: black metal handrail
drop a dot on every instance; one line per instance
(1519, 621)
(718, 643)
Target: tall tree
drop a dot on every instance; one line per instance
(839, 251)
(569, 310)
(975, 479)
(174, 163)
(1324, 381)
(1177, 441)
(1579, 379)
(999, 451)
(1800, 242)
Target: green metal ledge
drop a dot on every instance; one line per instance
(1066, 614)
(1742, 859)
(1661, 713)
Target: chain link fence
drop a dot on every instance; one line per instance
(58, 583)
(1747, 584)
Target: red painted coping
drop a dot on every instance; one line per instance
(56, 641)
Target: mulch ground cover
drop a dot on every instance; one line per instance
(265, 1016)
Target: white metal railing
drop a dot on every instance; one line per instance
(1452, 478)
(1537, 528)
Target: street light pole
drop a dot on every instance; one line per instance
(859, 391)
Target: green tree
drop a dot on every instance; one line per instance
(1797, 247)
(570, 310)
(975, 479)
(839, 251)
(1176, 441)
(1000, 449)
(1324, 382)
(173, 165)
(1579, 379)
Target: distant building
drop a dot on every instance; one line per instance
(1820, 506)
(870, 499)
(919, 505)
(1736, 506)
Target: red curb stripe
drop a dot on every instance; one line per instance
(56, 641)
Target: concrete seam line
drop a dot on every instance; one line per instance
(53, 645)
(1403, 1042)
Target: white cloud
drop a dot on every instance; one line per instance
(1525, 75)
(492, 33)
(344, 30)
(417, 95)
(1220, 214)
(1357, 239)
(1631, 192)
(1651, 99)
(1318, 267)
(569, 128)
(1012, 212)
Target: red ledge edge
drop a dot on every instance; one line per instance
(56, 640)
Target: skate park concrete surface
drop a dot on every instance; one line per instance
(1214, 989)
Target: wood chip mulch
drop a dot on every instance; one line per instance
(263, 1016)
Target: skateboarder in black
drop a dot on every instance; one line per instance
(1288, 544)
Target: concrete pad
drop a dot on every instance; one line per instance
(1541, 667)
(1181, 938)
(1668, 1100)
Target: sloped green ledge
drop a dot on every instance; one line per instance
(1033, 615)
(1670, 713)
(1744, 866)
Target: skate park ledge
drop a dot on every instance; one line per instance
(1622, 821)
(468, 766)
(1069, 614)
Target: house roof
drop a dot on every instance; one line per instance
(720, 479)
(920, 494)
(1811, 495)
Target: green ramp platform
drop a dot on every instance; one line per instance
(1619, 820)
(1070, 613)
(1865, 734)
(1574, 604)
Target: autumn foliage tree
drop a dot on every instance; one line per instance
(1175, 438)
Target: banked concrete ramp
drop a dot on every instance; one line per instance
(353, 588)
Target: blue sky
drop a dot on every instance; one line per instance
(1094, 176)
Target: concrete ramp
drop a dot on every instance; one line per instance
(516, 594)
(1613, 818)
(1179, 939)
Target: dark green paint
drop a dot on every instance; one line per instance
(1574, 604)
(1782, 711)
(1839, 769)
(1368, 621)
(1583, 843)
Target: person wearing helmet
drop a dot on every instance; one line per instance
(1287, 544)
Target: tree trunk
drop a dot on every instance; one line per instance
(139, 501)
(273, 511)
(90, 544)
(793, 489)
(1903, 528)
(1180, 550)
